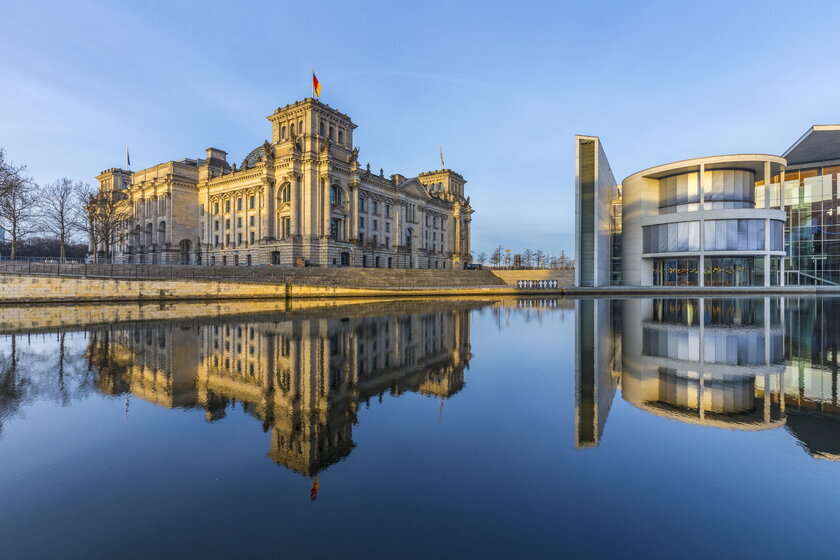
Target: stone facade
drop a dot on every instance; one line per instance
(302, 198)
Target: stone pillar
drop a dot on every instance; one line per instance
(327, 207)
(265, 212)
(354, 212)
(297, 205)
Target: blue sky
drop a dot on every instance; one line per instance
(502, 86)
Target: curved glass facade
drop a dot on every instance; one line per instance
(724, 188)
(733, 235)
(679, 193)
(730, 185)
(671, 238)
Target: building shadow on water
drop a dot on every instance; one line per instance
(726, 363)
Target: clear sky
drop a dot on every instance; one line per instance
(502, 86)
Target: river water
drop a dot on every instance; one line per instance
(655, 428)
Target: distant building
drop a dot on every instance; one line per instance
(739, 220)
(301, 198)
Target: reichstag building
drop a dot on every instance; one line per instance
(301, 199)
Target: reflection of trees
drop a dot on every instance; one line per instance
(48, 367)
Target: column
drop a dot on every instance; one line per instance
(457, 234)
(265, 214)
(327, 207)
(766, 252)
(354, 212)
(767, 184)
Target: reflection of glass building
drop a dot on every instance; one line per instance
(303, 376)
(743, 220)
(735, 363)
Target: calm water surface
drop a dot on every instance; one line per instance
(655, 428)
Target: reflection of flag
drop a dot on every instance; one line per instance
(316, 85)
(313, 492)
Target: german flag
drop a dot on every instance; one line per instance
(316, 85)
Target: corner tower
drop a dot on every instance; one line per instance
(310, 123)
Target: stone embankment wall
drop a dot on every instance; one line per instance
(511, 277)
(24, 288)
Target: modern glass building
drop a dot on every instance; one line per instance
(739, 220)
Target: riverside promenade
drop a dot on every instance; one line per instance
(22, 282)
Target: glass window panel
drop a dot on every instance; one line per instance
(694, 236)
(672, 237)
(731, 235)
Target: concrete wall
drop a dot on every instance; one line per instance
(511, 277)
(595, 188)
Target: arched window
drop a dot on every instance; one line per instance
(332, 133)
(300, 127)
(336, 195)
(408, 239)
(282, 133)
(292, 129)
(321, 128)
(162, 233)
(340, 136)
(285, 194)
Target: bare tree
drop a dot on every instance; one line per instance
(528, 258)
(482, 258)
(107, 212)
(16, 209)
(60, 210)
(496, 257)
(539, 256)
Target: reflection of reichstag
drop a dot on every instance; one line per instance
(738, 363)
(303, 376)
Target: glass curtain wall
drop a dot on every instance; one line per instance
(733, 271)
(675, 272)
(812, 232)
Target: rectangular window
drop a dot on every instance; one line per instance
(388, 210)
(239, 222)
(202, 210)
(239, 239)
(216, 225)
(375, 225)
(252, 238)
(252, 202)
(239, 204)
(387, 226)
(361, 222)
(387, 242)
(286, 226)
(361, 204)
(375, 207)
(227, 239)
(227, 223)
(253, 220)
(216, 239)
(227, 206)
(215, 208)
